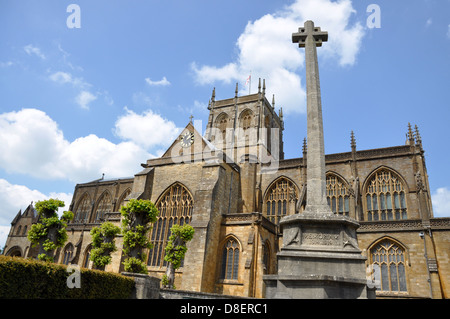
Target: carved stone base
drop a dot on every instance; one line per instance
(319, 258)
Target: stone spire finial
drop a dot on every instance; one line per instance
(236, 90)
(418, 138)
(273, 101)
(259, 85)
(352, 140)
(264, 86)
(280, 113)
(305, 147)
(410, 132)
(213, 97)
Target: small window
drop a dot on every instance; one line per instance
(230, 260)
(68, 254)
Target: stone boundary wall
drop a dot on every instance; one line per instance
(165, 293)
(148, 287)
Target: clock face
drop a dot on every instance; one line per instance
(187, 139)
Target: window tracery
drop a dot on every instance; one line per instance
(385, 197)
(104, 206)
(230, 260)
(125, 194)
(175, 208)
(281, 199)
(68, 254)
(338, 195)
(388, 261)
(83, 209)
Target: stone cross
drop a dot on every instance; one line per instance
(309, 38)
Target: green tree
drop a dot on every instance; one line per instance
(176, 250)
(103, 244)
(137, 217)
(50, 231)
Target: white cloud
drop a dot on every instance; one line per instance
(163, 82)
(18, 197)
(429, 22)
(448, 31)
(61, 77)
(441, 202)
(64, 77)
(265, 48)
(4, 231)
(147, 129)
(208, 74)
(33, 144)
(30, 49)
(84, 99)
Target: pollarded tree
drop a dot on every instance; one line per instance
(138, 215)
(175, 251)
(50, 231)
(103, 244)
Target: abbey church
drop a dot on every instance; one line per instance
(233, 185)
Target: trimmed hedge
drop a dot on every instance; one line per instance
(32, 279)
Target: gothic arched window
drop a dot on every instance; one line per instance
(68, 254)
(87, 255)
(83, 209)
(246, 119)
(280, 200)
(388, 261)
(175, 208)
(338, 195)
(230, 260)
(125, 194)
(385, 197)
(221, 127)
(104, 206)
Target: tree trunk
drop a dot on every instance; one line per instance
(170, 274)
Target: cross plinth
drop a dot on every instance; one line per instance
(310, 37)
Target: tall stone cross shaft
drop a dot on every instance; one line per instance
(309, 38)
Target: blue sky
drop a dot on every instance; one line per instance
(105, 97)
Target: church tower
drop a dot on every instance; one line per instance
(246, 126)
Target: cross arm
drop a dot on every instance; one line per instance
(303, 33)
